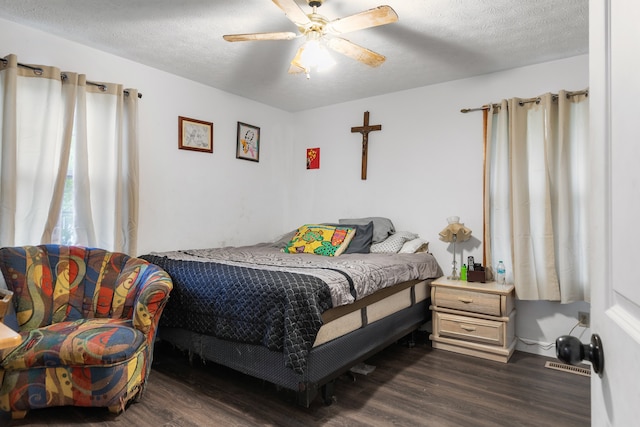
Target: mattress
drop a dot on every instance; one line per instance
(350, 277)
(342, 320)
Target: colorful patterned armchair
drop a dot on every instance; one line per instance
(88, 320)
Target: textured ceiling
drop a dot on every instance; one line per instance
(433, 41)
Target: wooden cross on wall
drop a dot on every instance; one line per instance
(364, 130)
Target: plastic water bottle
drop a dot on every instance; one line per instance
(501, 273)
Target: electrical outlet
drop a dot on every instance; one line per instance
(583, 319)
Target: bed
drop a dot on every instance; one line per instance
(297, 320)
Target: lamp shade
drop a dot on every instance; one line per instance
(456, 229)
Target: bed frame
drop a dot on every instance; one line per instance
(325, 362)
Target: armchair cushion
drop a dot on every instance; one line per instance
(80, 342)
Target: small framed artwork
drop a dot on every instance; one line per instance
(195, 135)
(248, 144)
(313, 158)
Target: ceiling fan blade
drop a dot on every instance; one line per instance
(296, 66)
(380, 15)
(356, 52)
(285, 35)
(294, 69)
(293, 12)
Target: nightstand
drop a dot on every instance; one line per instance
(473, 318)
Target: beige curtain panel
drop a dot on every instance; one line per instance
(536, 189)
(69, 165)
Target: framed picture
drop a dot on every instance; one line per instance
(195, 135)
(248, 144)
(313, 158)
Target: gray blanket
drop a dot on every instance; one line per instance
(349, 276)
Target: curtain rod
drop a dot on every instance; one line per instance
(38, 71)
(525, 101)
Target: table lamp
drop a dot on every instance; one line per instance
(452, 233)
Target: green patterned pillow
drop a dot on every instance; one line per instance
(320, 240)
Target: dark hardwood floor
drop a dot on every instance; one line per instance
(416, 386)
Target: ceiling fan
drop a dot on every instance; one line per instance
(319, 31)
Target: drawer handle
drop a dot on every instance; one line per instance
(466, 300)
(468, 328)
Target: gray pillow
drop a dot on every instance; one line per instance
(382, 227)
(361, 242)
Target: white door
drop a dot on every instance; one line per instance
(614, 74)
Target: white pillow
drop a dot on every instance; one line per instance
(415, 245)
(393, 243)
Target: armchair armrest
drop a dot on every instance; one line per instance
(151, 299)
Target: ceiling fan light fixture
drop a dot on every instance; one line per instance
(313, 54)
(316, 56)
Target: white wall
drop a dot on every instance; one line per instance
(425, 164)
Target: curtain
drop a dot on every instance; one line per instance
(67, 142)
(536, 188)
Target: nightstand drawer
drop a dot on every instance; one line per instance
(470, 329)
(465, 300)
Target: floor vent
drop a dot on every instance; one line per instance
(568, 368)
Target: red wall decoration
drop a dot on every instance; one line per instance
(313, 158)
